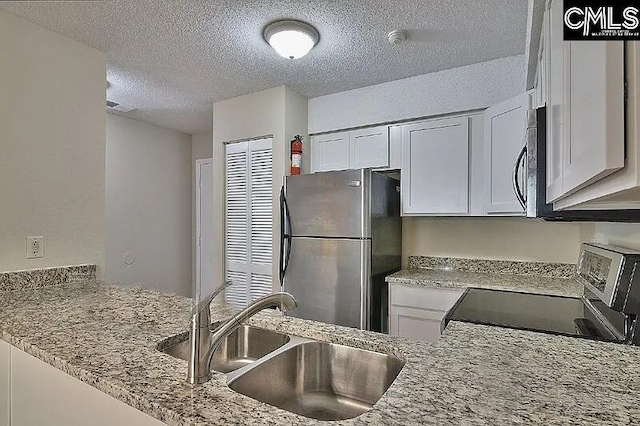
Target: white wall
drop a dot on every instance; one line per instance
(491, 238)
(148, 204)
(459, 89)
(201, 148)
(52, 147)
(249, 117)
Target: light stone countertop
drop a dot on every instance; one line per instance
(106, 336)
(440, 278)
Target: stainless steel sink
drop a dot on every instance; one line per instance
(244, 346)
(323, 381)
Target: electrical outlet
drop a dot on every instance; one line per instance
(35, 247)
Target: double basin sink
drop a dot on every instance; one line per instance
(320, 380)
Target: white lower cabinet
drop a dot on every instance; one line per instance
(44, 395)
(417, 324)
(419, 312)
(5, 368)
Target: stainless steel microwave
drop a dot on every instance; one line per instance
(532, 192)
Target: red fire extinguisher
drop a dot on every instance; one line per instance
(296, 155)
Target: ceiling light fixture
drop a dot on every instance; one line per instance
(291, 39)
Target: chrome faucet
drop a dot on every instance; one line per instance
(203, 343)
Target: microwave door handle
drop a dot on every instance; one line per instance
(515, 178)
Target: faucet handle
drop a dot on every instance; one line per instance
(200, 313)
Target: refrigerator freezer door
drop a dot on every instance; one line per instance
(330, 279)
(330, 204)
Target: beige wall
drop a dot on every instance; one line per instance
(296, 116)
(201, 148)
(266, 113)
(52, 147)
(491, 238)
(148, 204)
(625, 235)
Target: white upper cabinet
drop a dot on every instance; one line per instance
(435, 167)
(330, 152)
(504, 127)
(594, 146)
(621, 189)
(554, 49)
(355, 149)
(369, 147)
(540, 82)
(585, 109)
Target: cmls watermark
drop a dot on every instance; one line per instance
(609, 21)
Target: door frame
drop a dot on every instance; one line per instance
(198, 237)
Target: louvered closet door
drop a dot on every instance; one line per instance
(249, 220)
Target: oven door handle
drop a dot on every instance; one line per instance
(522, 199)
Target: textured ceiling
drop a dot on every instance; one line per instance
(172, 59)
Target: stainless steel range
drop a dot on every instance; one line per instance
(608, 310)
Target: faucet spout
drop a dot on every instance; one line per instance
(200, 359)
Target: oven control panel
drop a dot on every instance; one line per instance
(607, 272)
(595, 268)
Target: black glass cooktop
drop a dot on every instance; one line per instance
(535, 312)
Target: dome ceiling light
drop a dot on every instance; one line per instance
(291, 39)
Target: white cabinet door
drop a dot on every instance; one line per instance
(555, 52)
(435, 299)
(330, 152)
(585, 109)
(5, 368)
(540, 85)
(594, 146)
(435, 167)
(619, 190)
(417, 324)
(369, 147)
(504, 127)
(44, 395)
(418, 312)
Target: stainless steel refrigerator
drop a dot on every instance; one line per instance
(341, 236)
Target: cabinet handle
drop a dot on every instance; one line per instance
(516, 184)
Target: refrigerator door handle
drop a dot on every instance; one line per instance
(287, 256)
(282, 237)
(287, 215)
(285, 238)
